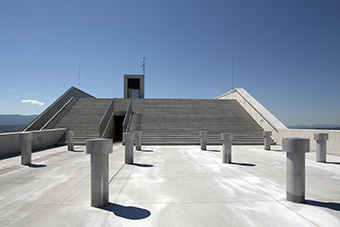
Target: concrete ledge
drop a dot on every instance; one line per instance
(279, 131)
(260, 114)
(10, 142)
(333, 142)
(43, 118)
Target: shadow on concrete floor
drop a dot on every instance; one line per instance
(132, 213)
(147, 150)
(334, 163)
(36, 165)
(77, 151)
(243, 164)
(276, 150)
(142, 165)
(329, 205)
(214, 150)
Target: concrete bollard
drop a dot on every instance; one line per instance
(226, 138)
(295, 184)
(129, 139)
(138, 140)
(321, 146)
(26, 147)
(203, 135)
(70, 140)
(267, 135)
(99, 150)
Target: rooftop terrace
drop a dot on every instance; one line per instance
(168, 186)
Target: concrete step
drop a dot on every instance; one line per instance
(171, 121)
(82, 116)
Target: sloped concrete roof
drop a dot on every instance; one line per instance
(168, 186)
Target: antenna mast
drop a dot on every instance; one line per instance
(143, 65)
(78, 75)
(232, 74)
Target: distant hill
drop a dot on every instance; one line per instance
(316, 126)
(14, 122)
(16, 119)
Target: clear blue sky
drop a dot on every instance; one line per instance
(286, 53)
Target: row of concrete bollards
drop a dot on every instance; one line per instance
(100, 149)
(226, 138)
(295, 148)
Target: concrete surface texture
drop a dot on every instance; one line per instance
(10, 143)
(82, 116)
(178, 121)
(168, 186)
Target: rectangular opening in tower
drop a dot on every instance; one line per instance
(133, 88)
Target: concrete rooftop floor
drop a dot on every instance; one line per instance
(168, 186)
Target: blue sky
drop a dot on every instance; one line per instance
(286, 53)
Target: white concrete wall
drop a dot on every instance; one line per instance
(333, 142)
(270, 123)
(10, 142)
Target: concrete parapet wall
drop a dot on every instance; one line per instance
(270, 123)
(261, 115)
(10, 142)
(333, 142)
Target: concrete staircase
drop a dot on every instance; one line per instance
(178, 121)
(81, 116)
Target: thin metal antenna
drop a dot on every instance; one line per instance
(78, 75)
(232, 74)
(143, 65)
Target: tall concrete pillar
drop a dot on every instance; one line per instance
(26, 147)
(203, 135)
(138, 140)
(99, 150)
(226, 138)
(321, 139)
(295, 184)
(70, 140)
(129, 139)
(267, 135)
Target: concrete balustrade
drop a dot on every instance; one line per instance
(203, 135)
(321, 139)
(138, 140)
(70, 140)
(226, 138)
(267, 141)
(129, 139)
(99, 150)
(295, 172)
(26, 147)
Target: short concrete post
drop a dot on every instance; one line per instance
(203, 135)
(296, 149)
(321, 146)
(267, 135)
(138, 140)
(99, 150)
(26, 147)
(129, 139)
(226, 138)
(70, 140)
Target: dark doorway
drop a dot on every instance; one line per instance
(119, 128)
(133, 83)
(133, 88)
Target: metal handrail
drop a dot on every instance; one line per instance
(55, 115)
(39, 122)
(258, 112)
(106, 119)
(127, 116)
